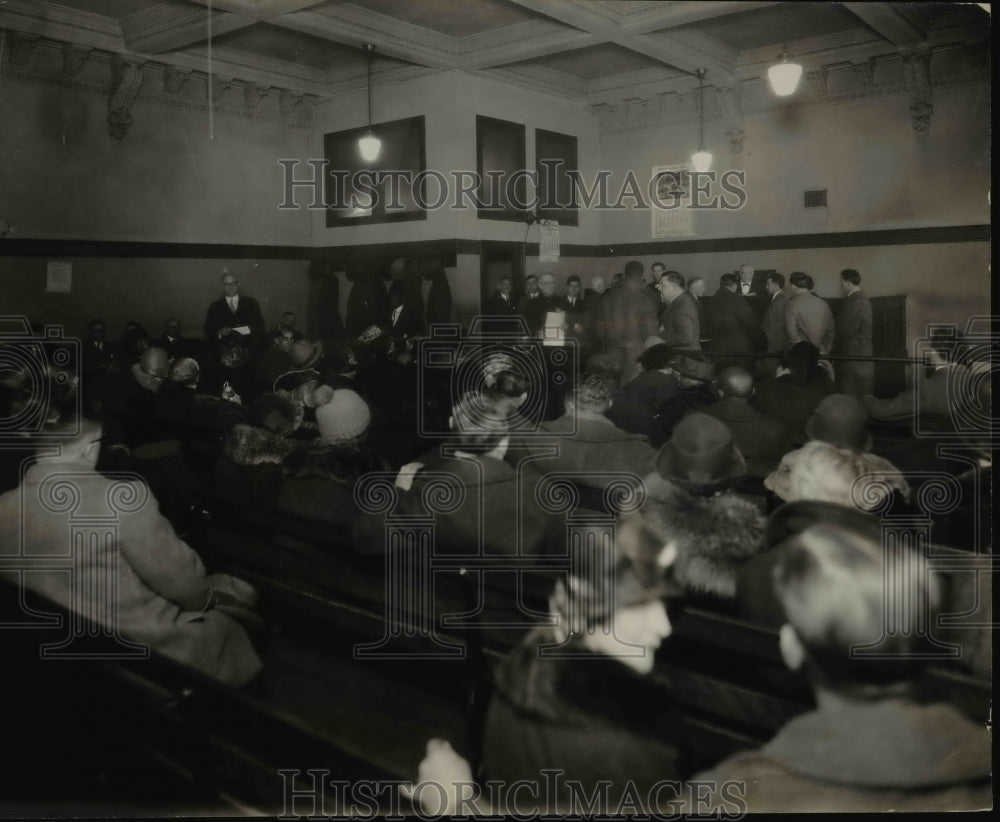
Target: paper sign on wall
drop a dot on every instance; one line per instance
(548, 246)
(59, 277)
(673, 191)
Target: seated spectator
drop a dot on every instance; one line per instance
(713, 528)
(941, 396)
(696, 391)
(588, 707)
(274, 360)
(496, 495)
(250, 468)
(633, 406)
(869, 745)
(762, 441)
(159, 596)
(821, 471)
(841, 421)
(173, 343)
(795, 390)
(598, 447)
(319, 481)
(285, 330)
(96, 354)
(152, 368)
(134, 341)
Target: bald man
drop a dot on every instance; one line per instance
(546, 301)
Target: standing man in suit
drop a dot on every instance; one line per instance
(696, 288)
(735, 328)
(751, 288)
(657, 270)
(628, 316)
(525, 305)
(367, 303)
(775, 325)
(500, 303)
(435, 291)
(545, 302)
(325, 320)
(679, 323)
(853, 338)
(234, 311)
(809, 318)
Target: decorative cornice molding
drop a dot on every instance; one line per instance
(619, 118)
(74, 58)
(917, 71)
(300, 120)
(126, 79)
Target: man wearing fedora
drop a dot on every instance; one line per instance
(715, 529)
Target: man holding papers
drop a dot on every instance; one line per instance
(234, 314)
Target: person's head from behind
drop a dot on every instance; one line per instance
(841, 594)
(633, 270)
(696, 286)
(573, 286)
(531, 285)
(671, 285)
(507, 389)
(503, 285)
(547, 284)
(800, 281)
(96, 329)
(135, 341)
(735, 383)
(729, 282)
(172, 328)
(592, 395)
(801, 361)
(657, 357)
(597, 285)
(617, 609)
(78, 438)
(775, 283)
(478, 428)
(823, 472)
(849, 280)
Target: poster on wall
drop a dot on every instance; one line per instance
(59, 278)
(673, 189)
(548, 245)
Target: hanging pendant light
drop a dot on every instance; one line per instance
(370, 146)
(701, 160)
(784, 77)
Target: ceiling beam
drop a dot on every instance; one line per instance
(169, 28)
(522, 41)
(890, 21)
(678, 49)
(354, 26)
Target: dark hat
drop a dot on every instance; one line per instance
(701, 454)
(305, 354)
(840, 420)
(694, 369)
(276, 414)
(793, 518)
(341, 359)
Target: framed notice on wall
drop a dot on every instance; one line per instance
(671, 209)
(59, 278)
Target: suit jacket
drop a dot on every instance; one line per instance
(178, 347)
(853, 332)
(809, 318)
(536, 309)
(679, 322)
(628, 315)
(757, 296)
(94, 358)
(702, 319)
(220, 316)
(762, 441)
(367, 303)
(775, 325)
(325, 322)
(438, 308)
(861, 756)
(734, 325)
(575, 313)
(784, 398)
(496, 306)
(598, 446)
(935, 397)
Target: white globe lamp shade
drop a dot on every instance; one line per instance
(784, 78)
(370, 146)
(701, 160)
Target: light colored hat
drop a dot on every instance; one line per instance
(304, 354)
(651, 341)
(345, 417)
(184, 369)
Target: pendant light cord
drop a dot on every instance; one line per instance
(701, 110)
(211, 101)
(370, 49)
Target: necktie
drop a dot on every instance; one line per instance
(232, 304)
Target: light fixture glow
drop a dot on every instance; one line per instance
(784, 77)
(369, 145)
(701, 160)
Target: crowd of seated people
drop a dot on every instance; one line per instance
(760, 492)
